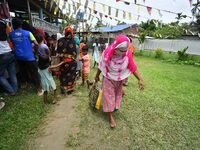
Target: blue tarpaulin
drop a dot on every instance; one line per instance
(112, 29)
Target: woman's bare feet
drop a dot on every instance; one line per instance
(112, 120)
(123, 93)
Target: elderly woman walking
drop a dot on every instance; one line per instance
(116, 65)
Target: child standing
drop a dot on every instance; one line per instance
(95, 53)
(116, 65)
(47, 81)
(86, 65)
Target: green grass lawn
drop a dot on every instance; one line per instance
(166, 115)
(20, 118)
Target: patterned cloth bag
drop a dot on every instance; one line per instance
(93, 95)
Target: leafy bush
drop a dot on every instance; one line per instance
(182, 55)
(168, 32)
(159, 53)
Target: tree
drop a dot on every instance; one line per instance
(141, 39)
(169, 32)
(196, 8)
(99, 24)
(179, 17)
(196, 24)
(150, 26)
(196, 12)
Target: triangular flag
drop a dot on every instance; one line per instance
(55, 11)
(57, 7)
(86, 4)
(69, 7)
(59, 14)
(109, 10)
(104, 8)
(138, 9)
(101, 15)
(190, 3)
(138, 18)
(124, 14)
(65, 4)
(92, 18)
(78, 5)
(45, 4)
(94, 6)
(129, 16)
(149, 9)
(89, 14)
(159, 13)
(116, 13)
(74, 7)
(51, 5)
(127, 3)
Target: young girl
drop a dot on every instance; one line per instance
(86, 65)
(47, 81)
(116, 65)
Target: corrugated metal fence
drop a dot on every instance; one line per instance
(171, 45)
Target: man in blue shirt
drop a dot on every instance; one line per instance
(22, 41)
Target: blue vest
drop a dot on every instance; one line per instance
(22, 45)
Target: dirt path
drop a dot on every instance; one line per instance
(57, 126)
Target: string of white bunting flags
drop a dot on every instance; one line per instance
(107, 10)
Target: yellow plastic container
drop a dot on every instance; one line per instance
(98, 103)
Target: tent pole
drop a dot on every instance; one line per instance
(108, 38)
(29, 13)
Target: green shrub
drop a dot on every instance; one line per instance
(159, 53)
(168, 32)
(182, 55)
(138, 52)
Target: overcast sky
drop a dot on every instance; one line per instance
(177, 6)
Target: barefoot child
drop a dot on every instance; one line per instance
(116, 65)
(86, 65)
(47, 81)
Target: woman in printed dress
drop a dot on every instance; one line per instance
(67, 52)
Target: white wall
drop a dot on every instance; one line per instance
(171, 45)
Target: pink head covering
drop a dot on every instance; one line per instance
(117, 62)
(110, 50)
